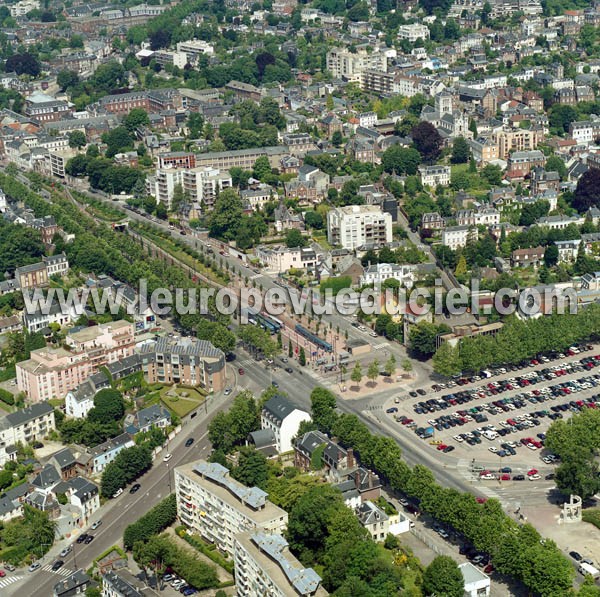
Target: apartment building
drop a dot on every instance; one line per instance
(201, 184)
(184, 361)
(281, 259)
(526, 161)
(52, 372)
(38, 274)
(344, 64)
(44, 108)
(264, 565)
(153, 101)
(509, 140)
(217, 507)
(176, 159)
(413, 32)
(106, 452)
(354, 226)
(27, 424)
(378, 82)
(241, 158)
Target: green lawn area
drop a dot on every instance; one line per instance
(56, 402)
(182, 400)
(322, 240)
(476, 181)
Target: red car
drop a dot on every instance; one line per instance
(241, 371)
(406, 421)
(489, 568)
(442, 447)
(505, 477)
(533, 471)
(2, 574)
(481, 500)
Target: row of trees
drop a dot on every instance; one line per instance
(258, 340)
(104, 175)
(516, 550)
(518, 340)
(33, 534)
(153, 522)
(128, 465)
(577, 442)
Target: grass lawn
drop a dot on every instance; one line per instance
(182, 400)
(322, 240)
(56, 402)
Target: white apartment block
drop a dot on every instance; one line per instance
(27, 424)
(456, 237)
(195, 47)
(200, 184)
(264, 565)
(354, 226)
(367, 119)
(343, 64)
(217, 507)
(433, 176)
(413, 32)
(585, 132)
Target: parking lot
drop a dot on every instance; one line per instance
(497, 421)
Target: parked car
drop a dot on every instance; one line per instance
(89, 539)
(34, 566)
(96, 525)
(167, 457)
(66, 551)
(576, 556)
(82, 538)
(135, 488)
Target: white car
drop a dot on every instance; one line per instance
(493, 449)
(118, 492)
(167, 457)
(227, 391)
(488, 477)
(534, 477)
(458, 438)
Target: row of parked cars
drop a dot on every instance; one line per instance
(179, 584)
(494, 371)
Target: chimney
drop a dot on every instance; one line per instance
(370, 475)
(357, 479)
(350, 458)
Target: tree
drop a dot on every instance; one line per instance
(578, 475)
(531, 212)
(356, 375)
(262, 168)
(23, 64)
(460, 151)
(551, 255)
(302, 357)
(156, 520)
(443, 578)
(427, 141)
(373, 370)
(137, 117)
(66, 79)
(109, 406)
(226, 216)
(446, 360)
(493, 174)
(323, 405)
(117, 140)
(77, 139)
(336, 138)
(555, 164)
(252, 469)
(390, 365)
(461, 267)
(586, 193)
(422, 339)
(294, 238)
(400, 160)
(314, 219)
(231, 428)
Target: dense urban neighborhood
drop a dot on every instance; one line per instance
(300, 299)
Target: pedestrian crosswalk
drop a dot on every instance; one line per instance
(60, 571)
(9, 580)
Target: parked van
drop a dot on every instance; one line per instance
(588, 569)
(491, 435)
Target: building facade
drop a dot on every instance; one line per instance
(356, 225)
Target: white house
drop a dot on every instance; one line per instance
(79, 402)
(433, 176)
(353, 226)
(567, 249)
(378, 273)
(283, 418)
(379, 524)
(85, 495)
(477, 584)
(456, 237)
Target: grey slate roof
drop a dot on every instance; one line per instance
(47, 477)
(279, 407)
(30, 413)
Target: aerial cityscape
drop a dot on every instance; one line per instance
(300, 298)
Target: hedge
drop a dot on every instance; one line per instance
(153, 522)
(7, 397)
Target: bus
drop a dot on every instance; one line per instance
(314, 339)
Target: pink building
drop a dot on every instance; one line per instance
(52, 372)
